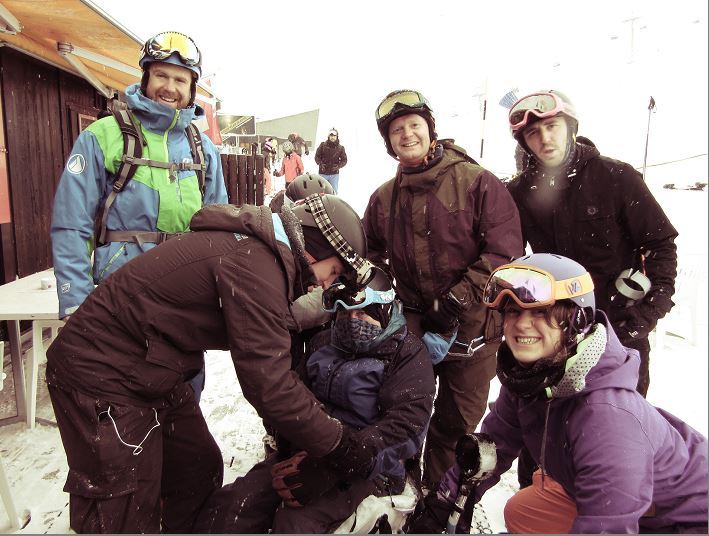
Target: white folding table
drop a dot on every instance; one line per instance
(25, 299)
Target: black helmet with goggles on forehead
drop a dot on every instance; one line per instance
(403, 102)
(174, 48)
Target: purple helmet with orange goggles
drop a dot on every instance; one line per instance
(403, 102)
(540, 280)
(540, 105)
(172, 47)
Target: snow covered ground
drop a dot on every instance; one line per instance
(36, 466)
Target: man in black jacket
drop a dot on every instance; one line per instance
(598, 211)
(330, 157)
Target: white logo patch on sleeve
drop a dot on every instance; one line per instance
(76, 164)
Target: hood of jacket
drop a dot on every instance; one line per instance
(258, 221)
(617, 367)
(158, 117)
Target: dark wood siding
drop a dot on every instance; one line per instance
(41, 105)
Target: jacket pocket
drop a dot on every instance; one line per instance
(598, 228)
(105, 503)
(166, 366)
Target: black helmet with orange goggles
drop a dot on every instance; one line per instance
(164, 45)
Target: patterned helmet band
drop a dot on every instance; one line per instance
(362, 266)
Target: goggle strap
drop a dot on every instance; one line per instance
(362, 266)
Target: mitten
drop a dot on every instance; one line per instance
(301, 479)
(442, 316)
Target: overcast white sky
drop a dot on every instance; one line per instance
(274, 58)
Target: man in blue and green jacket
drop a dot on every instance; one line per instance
(156, 202)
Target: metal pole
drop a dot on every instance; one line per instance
(482, 137)
(482, 131)
(650, 107)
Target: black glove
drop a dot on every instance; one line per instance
(631, 325)
(351, 457)
(442, 316)
(430, 516)
(301, 479)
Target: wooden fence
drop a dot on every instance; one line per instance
(243, 175)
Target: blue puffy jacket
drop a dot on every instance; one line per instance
(386, 395)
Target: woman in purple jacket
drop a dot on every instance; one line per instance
(610, 462)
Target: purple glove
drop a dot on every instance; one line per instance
(431, 514)
(447, 490)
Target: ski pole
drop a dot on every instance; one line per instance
(476, 456)
(650, 108)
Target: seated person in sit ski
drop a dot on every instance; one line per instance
(377, 379)
(609, 461)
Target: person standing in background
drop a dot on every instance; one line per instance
(330, 157)
(299, 145)
(292, 165)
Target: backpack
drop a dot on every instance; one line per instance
(130, 160)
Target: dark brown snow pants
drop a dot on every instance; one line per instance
(128, 475)
(463, 388)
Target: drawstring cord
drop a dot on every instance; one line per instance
(544, 441)
(137, 449)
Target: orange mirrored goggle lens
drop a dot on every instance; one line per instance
(163, 45)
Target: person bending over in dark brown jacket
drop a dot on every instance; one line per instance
(141, 458)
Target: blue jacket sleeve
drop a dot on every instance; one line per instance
(76, 202)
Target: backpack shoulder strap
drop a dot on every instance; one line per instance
(132, 151)
(132, 147)
(195, 141)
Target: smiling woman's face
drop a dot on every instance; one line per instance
(529, 335)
